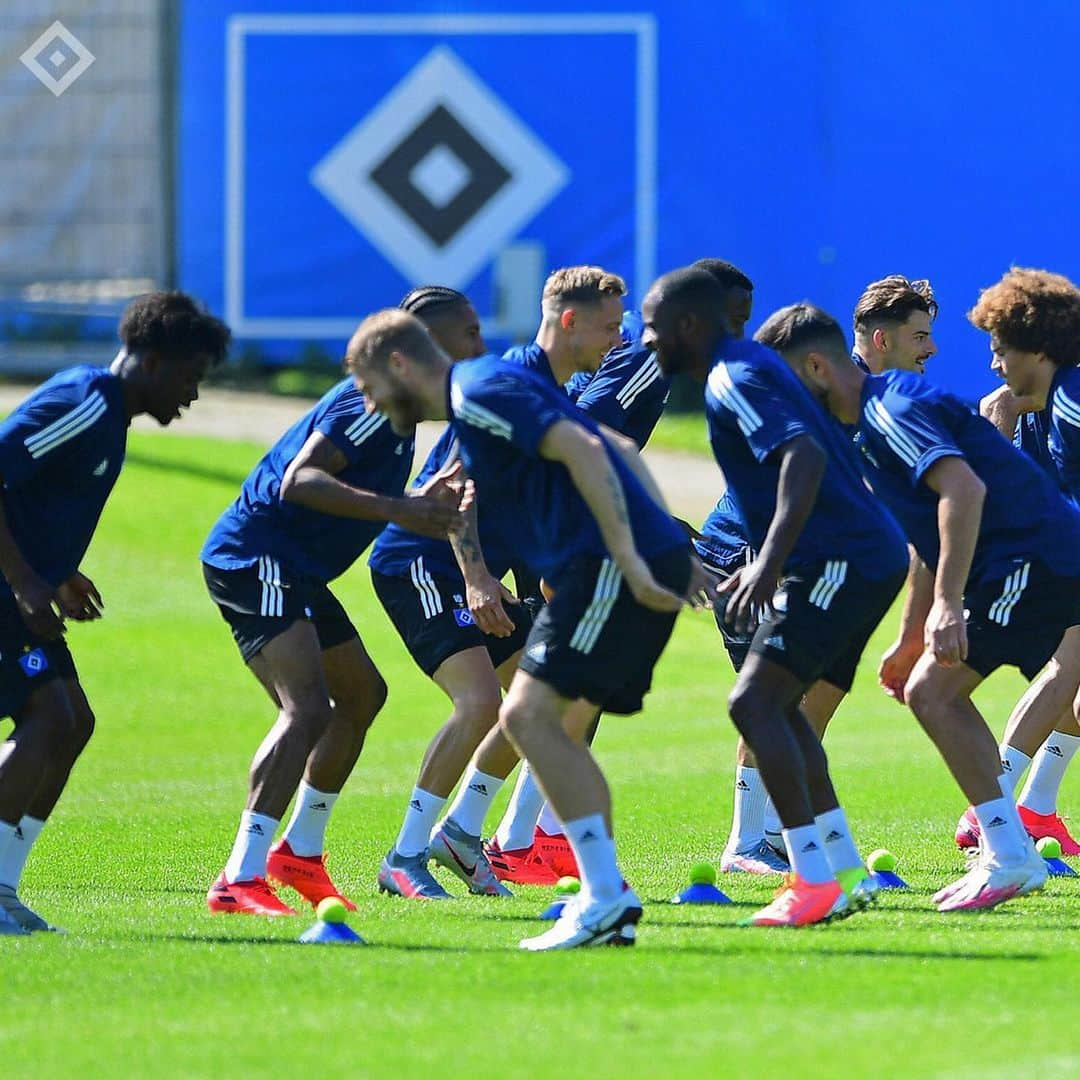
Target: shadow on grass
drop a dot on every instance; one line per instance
(392, 946)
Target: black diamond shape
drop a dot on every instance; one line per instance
(70, 57)
(486, 175)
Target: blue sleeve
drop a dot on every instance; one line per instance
(628, 394)
(347, 423)
(54, 426)
(1066, 418)
(914, 432)
(767, 414)
(509, 409)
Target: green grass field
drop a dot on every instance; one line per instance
(147, 983)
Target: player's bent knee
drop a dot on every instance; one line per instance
(745, 704)
(82, 728)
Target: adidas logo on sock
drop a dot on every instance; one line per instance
(588, 835)
(1006, 766)
(1055, 750)
(834, 835)
(480, 789)
(255, 829)
(995, 822)
(741, 785)
(317, 806)
(811, 846)
(415, 805)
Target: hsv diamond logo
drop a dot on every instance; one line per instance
(57, 58)
(440, 174)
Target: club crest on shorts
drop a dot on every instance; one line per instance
(464, 617)
(33, 662)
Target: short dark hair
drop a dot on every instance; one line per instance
(173, 323)
(690, 289)
(799, 326)
(429, 301)
(892, 301)
(1034, 311)
(731, 277)
(388, 331)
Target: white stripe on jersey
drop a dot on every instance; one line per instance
(596, 614)
(882, 421)
(828, 585)
(642, 379)
(478, 416)
(748, 418)
(430, 599)
(67, 426)
(364, 427)
(1070, 411)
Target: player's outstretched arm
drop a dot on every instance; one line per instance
(628, 451)
(960, 501)
(310, 481)
(35, 597)
(901, 657)
(585, 459)
(751, 589)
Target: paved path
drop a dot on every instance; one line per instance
(690, 483)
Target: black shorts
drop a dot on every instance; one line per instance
(26, 660)
(821, 620)
(429, 613)
(593, 640)
(261, 602)
(1019, 619)
(736, 645)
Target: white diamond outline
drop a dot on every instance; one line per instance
(537, 175)
(30, 60)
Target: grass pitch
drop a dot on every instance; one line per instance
(147, 983)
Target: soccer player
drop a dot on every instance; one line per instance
(627, 394)
(1033, 319)
(829, 561)
(619, 567)
(893, 318)
(999, 581)
(462, 627)
(304, 515)
(61, 451)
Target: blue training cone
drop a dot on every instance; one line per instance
(327, 933)
(1059, 868)
(554, 910)
(888, 880)
(701, 893)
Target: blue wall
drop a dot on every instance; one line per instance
(816, 146)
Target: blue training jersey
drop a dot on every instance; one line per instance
(532, 358)
(1063, 436)
(61, 451)
(727, 538)
(501, 413)
(755, 404)
(907, 425)
(322, 546)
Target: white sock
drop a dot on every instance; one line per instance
(549, 821)
(772, 826)
(14, 858)
(420, 819)
(252, 845)
(748, 812)
(475, 794)
(1013, 764)
(1002, 834)
(306, 831)
(516, 829)
(601, 878)
(1047, 771)
(840, 848)
(806, 853)
(7, 836)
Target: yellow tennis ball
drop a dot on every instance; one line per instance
(567, 886)
(881, 860)
(702, 873)
(332, 909)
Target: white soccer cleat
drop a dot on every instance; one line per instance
(582, 925)
(760, 858)
(987, 884)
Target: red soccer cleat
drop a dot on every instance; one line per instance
(1040, 825)
(523, 866)
(252, 897)
(799, 903)
(304, 873)
(556, 851)
(968, 832)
